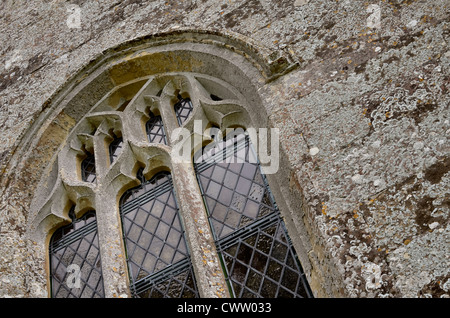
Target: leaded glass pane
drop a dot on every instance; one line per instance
(75, 264)
(265, 265)
(235, 191)
(155, 130)
(258, 257)
(88, 173)
(115, 148)
(183, 109)
(154, 237)
(179, 283)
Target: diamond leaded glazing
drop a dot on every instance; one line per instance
(158, 259)
(115, 148)
(183, 109)
(75, 260)
(259, 259)
(155, 130)
(88, 173)
(233, 186)
(264, 263)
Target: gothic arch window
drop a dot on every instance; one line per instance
(247, 232)
(168, 223)
(75, 266)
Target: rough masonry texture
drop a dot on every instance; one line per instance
(358, 89)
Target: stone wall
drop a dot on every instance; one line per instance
(364, 123)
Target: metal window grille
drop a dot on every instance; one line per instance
(88, 173)
(250, 235)
(155, 130)
(75, 264)
(183, 109)
(115, 148)
(158, 259)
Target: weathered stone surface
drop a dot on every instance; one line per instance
(364, 123)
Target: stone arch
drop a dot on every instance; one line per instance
(118, 77)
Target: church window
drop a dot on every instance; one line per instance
(200, 223)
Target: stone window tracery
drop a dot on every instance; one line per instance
(145, 149)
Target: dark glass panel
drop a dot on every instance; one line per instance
(215, 97)
(75, 264)
(180, 285)
(183, 109)
(249, 232)
(155, 130)
(262, 269)
(88, 169)
(155, 242)
(115, 148)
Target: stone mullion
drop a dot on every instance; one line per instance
(207, 267)
(208, 271)
(114, 267)
(101, 155)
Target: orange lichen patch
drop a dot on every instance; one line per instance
(324, 208)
